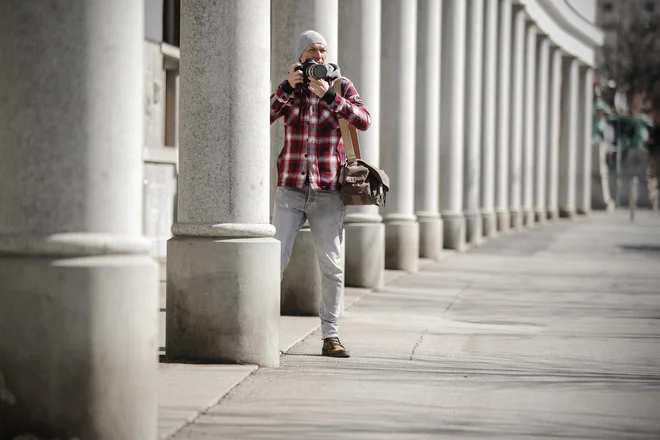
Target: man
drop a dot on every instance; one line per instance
(308, 172)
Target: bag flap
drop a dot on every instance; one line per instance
(379, 174)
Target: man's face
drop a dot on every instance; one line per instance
(315, 51)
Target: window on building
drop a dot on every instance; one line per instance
(171, 22)
(171, 40)
(607, 7)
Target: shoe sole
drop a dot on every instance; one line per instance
(340, 354)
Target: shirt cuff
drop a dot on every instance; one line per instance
(286, 87)
(329, 96)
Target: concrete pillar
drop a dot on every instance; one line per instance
(222, 263)
(453, 111)
(359, 60)
(569, 137)
(529, 144)
(489, 118)
(427, 138)
(554, 133)
(301, 283)
(584, 145)
(473, 127)
(398, 64)
(78, 290)
(541, 143)
(503, 118)
(516, 117)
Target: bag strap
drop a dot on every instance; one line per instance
(348, 133)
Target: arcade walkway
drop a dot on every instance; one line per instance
(550, 332)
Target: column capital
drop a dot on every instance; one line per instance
(584, 67)
(542, 36)
(518, 7)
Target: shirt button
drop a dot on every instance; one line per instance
(305, 155)
(303, 173)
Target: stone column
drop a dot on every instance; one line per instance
(427, 138)
(503, 118)
(569, 137)
(301, 283)
(398, 65)
(222, 263)
(452, 134)
(488, 139)
(584, 145)
(359, 60)
(78, 290)
(516, 117)
(473, 128)
(529, 145)
(554, 133)
(541, 109)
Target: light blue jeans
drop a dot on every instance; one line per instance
(325, 212)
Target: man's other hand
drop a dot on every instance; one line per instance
(295, 76)
(319, 87)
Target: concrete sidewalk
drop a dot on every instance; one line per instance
(550, 332)
(188, 390)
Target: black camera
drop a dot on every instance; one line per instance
(312, 69)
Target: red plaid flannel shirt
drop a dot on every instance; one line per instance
(313, 150)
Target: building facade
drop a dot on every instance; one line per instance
(136, 150)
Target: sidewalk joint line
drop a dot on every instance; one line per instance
(418, 343)
(457, 296)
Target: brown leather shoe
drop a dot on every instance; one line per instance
(332, 347)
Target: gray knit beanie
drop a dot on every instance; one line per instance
(307, 38)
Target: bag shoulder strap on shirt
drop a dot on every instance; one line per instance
(348, 133)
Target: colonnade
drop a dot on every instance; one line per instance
(481, 116)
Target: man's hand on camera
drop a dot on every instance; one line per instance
(319, 87)
(295, 76)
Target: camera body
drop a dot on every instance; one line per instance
(312, 69)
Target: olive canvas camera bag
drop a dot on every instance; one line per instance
(361, 183)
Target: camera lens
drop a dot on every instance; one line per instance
(318, 71)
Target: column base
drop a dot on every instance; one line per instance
(474, 229)
(489, 224)
(301, 282)
(503, 222)
(223, 302)
(541, 217)
(402, 245)
(78, 350)
(552, 214)
(581, 211)
(568, 213)
(530, 219)
(454, 232)
(430, 237)
(365, 255)
(516, 220)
